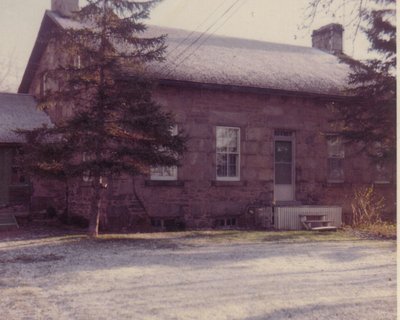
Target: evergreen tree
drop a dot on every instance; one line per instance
(369, 120)
(114, 126)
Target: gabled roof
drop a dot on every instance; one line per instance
(250, 63)
(237, 62)
(18, 111)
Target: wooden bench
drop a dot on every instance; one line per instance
(316, 222)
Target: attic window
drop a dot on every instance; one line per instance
(77, 61)
(43, 84)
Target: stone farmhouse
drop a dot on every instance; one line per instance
(262, 147)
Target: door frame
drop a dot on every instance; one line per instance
(289, 136)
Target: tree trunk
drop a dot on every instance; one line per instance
(95, 207)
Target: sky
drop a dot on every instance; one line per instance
(267, 20)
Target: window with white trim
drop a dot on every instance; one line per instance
(335, 158)
(165, 172)
(228, 153)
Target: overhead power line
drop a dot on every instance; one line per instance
(197, 28)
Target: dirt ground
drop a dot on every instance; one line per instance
(72, 277)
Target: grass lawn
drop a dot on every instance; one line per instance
(236, 236)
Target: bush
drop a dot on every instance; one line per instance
(367, 207)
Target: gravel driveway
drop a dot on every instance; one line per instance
(84, 279)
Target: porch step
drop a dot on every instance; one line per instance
(316, 222)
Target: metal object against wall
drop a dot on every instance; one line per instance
(287, 218)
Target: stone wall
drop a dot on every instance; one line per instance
(197, 198)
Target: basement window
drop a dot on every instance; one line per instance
(167, 224)
(226, 222)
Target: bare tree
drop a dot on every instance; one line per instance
(8, 73)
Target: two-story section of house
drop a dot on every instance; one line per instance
(260, 131)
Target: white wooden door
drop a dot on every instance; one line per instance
(284, 168)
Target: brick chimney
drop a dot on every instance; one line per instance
(65, 7)
(329, 38)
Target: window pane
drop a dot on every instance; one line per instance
(222, 145)
(232, 165)
(222, 168)
(283, 151)
(335, 169)
(283, 173)
(335, 147)
(232, 140)
(227, 139)
(164, 173)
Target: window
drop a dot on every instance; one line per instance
(335, 158)
(228, 153)
(43, 84)
(86, 177)
(77, 61)
(226, 222)
(163, 172)
(382, 173)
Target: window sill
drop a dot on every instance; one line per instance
(228, 183)
(335, 181)
(20, 185)
(164, 183)
(382, 182)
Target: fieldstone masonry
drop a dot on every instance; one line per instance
(196, 198)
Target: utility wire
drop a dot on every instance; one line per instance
(199, 26)
(202, 34)
(177, 64)
(165, 67)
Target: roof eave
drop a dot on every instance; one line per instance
(257, 90)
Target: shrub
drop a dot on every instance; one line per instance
(367, 206)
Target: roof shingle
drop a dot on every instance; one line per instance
(242, 62)
(18, 111)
